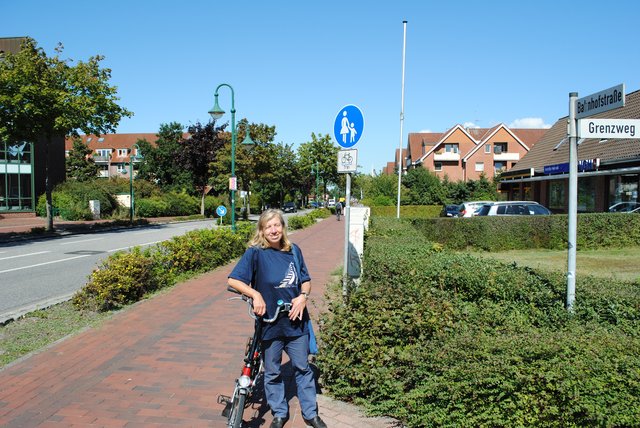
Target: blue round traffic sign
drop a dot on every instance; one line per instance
(221, 211)
(348, 126)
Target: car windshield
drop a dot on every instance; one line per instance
(484, 210)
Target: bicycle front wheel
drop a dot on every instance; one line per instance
(237, 409)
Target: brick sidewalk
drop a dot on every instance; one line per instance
(164, 361)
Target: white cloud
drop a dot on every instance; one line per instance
(426, 131)
(470, 125)
(529, 122)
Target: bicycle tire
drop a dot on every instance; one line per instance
(237, 410)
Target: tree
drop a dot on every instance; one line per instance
(45, 97)
(80, 164)
(320, 151)
(425, 188)
(159, 164)
(197, 153)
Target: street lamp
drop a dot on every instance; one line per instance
(132, 158)
(216, 113)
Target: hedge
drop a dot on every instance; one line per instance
(497, 233)
(435, 338)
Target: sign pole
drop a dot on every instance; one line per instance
(347, 217)
(400, 157)
(573, 202)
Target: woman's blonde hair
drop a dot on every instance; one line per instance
(259, 240)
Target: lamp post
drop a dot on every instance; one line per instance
(132, 158)
(216, 113)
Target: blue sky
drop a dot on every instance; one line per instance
(295, 64)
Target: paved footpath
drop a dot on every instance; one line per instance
(164, 361)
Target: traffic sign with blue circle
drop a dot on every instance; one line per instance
(221, 211)
(348, 126)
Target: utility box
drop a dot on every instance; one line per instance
(94, 207)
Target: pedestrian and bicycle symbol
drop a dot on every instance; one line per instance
(348, 126)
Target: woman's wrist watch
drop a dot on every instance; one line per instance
(305, 294)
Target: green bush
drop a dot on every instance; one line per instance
(71, 200)
(299, 222)
(407, 211)
(499, 233)
(121, 279)
(435, 338)
(125, 277)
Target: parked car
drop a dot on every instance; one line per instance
(624, 207)
(450, 211)
(468, 209)
(513, 208)
(289, 207)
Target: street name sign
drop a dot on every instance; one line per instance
(348, 126)
(606, 100)
(609, 128)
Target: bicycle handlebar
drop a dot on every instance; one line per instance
(282, 306)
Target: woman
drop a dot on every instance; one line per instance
(266, 273)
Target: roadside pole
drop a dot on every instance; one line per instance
(347, 221)
(573, 203)
(347, 130)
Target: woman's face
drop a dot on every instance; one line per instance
(273, 232)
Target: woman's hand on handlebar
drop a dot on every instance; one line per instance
(297, 307)
(259, 306)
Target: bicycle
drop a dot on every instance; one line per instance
(236, 404)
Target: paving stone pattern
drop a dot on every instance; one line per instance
(164, 361)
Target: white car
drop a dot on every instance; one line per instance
(513, 208)
(468, 209)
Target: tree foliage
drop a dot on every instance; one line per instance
(80, 164)
(44, 97)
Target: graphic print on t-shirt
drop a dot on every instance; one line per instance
(290, 279)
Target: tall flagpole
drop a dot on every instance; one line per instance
(400, 159)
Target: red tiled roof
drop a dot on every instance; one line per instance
(608, 151)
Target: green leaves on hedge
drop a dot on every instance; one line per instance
(442, 339)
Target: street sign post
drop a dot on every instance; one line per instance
(608, 128)
(347, 129)
(348, 126)
(606, 100)
(221, 211)
(347, 161)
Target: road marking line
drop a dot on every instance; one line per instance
(137, 245)
(45, 263)
(79, 242)
(24, 255)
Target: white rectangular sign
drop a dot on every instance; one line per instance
(600, 101)
(608, 128)
(347, 161)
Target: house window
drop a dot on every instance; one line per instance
(557, 192)
(499, 167)
(122, 152)
(451, 148)
(487, 148)
(479, 166)
(499, 148)
(437, 166)
(103, 152)
(121, 168)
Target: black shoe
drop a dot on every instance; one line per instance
(315, 422)
(278, 422)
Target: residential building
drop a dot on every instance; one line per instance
(608, 170)
(463, 154)
(112, 152)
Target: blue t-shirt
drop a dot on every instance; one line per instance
(273, 273)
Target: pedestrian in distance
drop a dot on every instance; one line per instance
(267, 272)
(338, 210)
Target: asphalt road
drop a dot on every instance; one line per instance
(38, 273)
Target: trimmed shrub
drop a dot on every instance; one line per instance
(444, 339)
(407, 211)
